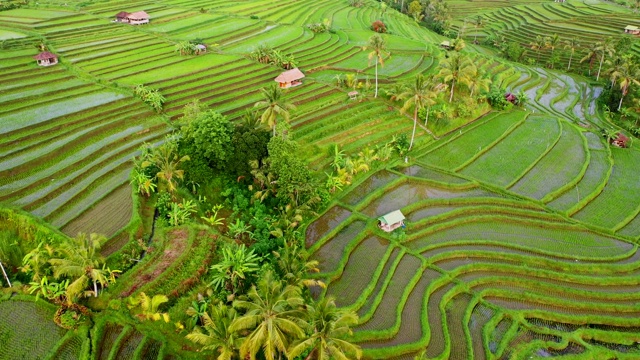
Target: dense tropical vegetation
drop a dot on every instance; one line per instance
(163, 197)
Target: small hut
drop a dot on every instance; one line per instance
(446, 45)
(46, 58)
(391, 221)
(633, 30)
(290, 78)
(121, 16)
(200, 49)
(138, 18)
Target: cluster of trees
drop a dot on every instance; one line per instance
(152, 97)
(266, 55)
(433, 14)
(320, 27)
(345, 167)
(193, 47)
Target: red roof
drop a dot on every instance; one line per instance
(122, 14)
(45, 55)
(290, 75)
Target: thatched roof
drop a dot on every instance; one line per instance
(138, 15)
(392, 217)
(289, 76)
(631, 27)
(45, 55)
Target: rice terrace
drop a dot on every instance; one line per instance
(330, 179)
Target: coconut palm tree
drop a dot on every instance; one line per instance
(275, 106)
(294, 266)
(606, 48)
(592, 54)
(552, 42)
(330, 333)
(272, 317)
(80, 261)
(629, 74)
(457, 68)
(479, 84)
(418, 96)
(538, 44)
(377, 47)
(571, 45)
(218, 337)
(477, 22)
(167, 159)
(148, 306)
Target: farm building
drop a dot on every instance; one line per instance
(391, 221)
(135, 18)
(290, 78)
(46, 58)
(445, 45)
(633, 30)
(200, 49)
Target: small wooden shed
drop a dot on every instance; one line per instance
(446, 44)
(391, 221)
(122, 16)
(633, 30)
(290, 78)
(138, 18)
(46, 58)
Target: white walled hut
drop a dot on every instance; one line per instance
(391, 221)
(46, 58)
(289, 78)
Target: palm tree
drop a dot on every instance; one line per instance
(479, 84)
(629, 74)
(218, 336)
(571, 44)
(166, 158)
(457, 68)
(552, 42)
(294, 266)
(331, 328)
(81, 262)
(273, 318)
(477, 22)
(614, 67)
(592, 54)
(606, 47)
(377, 46)
(418, 96)
(149, 306)
(275, 106)
(237, 262)
(538, 44)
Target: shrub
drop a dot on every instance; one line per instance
(379, 27)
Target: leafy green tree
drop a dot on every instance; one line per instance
(275, 106)
(294, 181)
(592, 54)
(377, 49)
(477, 22)
(419, 96)
(80, 261)
(294, 266)
(457, 68)
(236, 265)
(143, 182)
(36, 262)
(330, 332)
(272, 317)
(218, 336)
(210, 135)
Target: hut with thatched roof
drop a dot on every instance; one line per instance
(391, 221)
(46, 58)
(290, 78)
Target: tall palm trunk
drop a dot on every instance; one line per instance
(600, 68)
(415, 122)
(427, 117)
(570, 57)
(5, 274)
(95, 288)
(453, 84)
(376, 93)
(624, 92)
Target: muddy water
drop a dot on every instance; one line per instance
(329, 220)
(374, 182)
